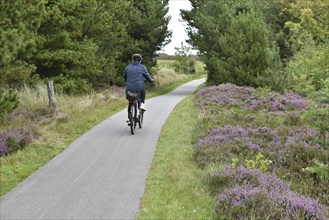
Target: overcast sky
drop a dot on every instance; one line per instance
(176, 25)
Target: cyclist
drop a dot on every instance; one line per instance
(134, 76)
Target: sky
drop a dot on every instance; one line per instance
(177, 26)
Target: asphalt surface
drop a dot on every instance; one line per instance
(101, 175)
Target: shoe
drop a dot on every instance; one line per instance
(143, 107)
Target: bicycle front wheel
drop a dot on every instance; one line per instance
(135, 115)
(132, 123)
(140, 118)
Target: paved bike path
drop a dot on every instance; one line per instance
(101, 175)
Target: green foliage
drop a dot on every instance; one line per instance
(80, 39)
(307, 22)
(319, 117)
(183, 62)
(259, 163)
(250, 42)
(309, 69)
(235, 162)
(19, 21)
(274, 76)
(63, 48)
(107, 26)
(319, 171)
(8, 102)
(147, 29)
(69, 86)
(322, 95)
(233, 39)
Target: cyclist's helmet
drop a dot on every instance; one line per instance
(137, 57)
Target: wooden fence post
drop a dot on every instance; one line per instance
(51, 95)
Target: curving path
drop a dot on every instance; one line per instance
(101, 175)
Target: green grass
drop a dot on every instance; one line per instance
(174, 185)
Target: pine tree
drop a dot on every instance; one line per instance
(63, 49)
(148, 28)
(232, 37)
(19, 21)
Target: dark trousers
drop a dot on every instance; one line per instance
(143, 95)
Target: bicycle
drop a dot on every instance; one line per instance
(135, 113)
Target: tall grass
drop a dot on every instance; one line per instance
(168, 76)
(33, 96)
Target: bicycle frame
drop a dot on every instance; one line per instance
(135, 115)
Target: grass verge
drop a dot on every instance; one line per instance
(174, 185)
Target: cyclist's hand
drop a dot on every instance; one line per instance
(155, 83)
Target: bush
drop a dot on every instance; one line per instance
(8, 102)
(322, 95)
(183, 62)
(309, 69)
(319, 117)
(240, 122)
(70, 86)
(11, 141)
(251, 193)
(185, 65)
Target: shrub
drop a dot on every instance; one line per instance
(183, 62)
(248, 98)
(322, 95)
(12, 141)
(259, 163)
(319, 117)
(8, 102)
(309, 69)
(319, 171)
(251, 193)
(282, 145)
(242, 122)
(70, 86)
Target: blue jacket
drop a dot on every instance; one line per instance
(134, 76)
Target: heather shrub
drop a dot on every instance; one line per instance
(248, 98)
(251, 193)
(285, 147)
(293, 118)
(239, 123)
(12, 141)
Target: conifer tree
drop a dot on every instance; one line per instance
(63, 49)
(19, 22)
(232, 37)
